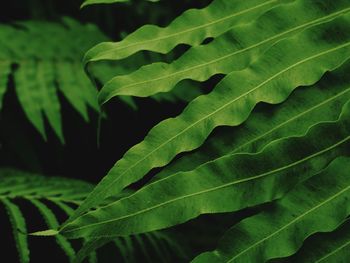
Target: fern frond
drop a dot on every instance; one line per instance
(42, 63)
(292, 62)
(304, 108)
(232, 51)
(35, 189)
(230, 183)
(151, 243)
(318, 205)
(52, 223)
(65, 194)
(191, 28)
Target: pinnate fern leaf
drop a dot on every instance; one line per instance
(299, 60)
(229, 183)
(52, 223)
(42, 66)
(35, 189)
(42, 193)
(318, 205)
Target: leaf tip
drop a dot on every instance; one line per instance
(49, 232)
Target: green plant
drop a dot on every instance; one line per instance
(42, 66)
(45, 193)
(273, 135)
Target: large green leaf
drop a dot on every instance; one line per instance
(229, 183)
(331, 247)
(42, 66)
(191, 28)
(304, 108)
(318, 205)
(300, 60)
(231, 51)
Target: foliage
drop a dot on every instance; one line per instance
(272, 136)
(44, 67)
(45, 193)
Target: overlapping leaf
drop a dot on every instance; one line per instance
(66, 194)
(299, 60)
(33, 188)
(230, 183)
(304, 108)
(191, 28)
(231, 51)
(318, 205)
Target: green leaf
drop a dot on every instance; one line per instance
(127, 246)
(227, 184)
(42, 70)
(318, 205)
(19, 229)
(232, 51)
(331, 247)
(271, 79)
(191, 28)
(304, 108)
(16, 184)
(36, 92)
(5, 69)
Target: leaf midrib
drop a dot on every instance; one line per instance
(203, 191)
(116, 92)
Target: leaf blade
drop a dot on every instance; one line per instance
(233, 51)
(316, 205)
(190, 28)
(231, 103)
